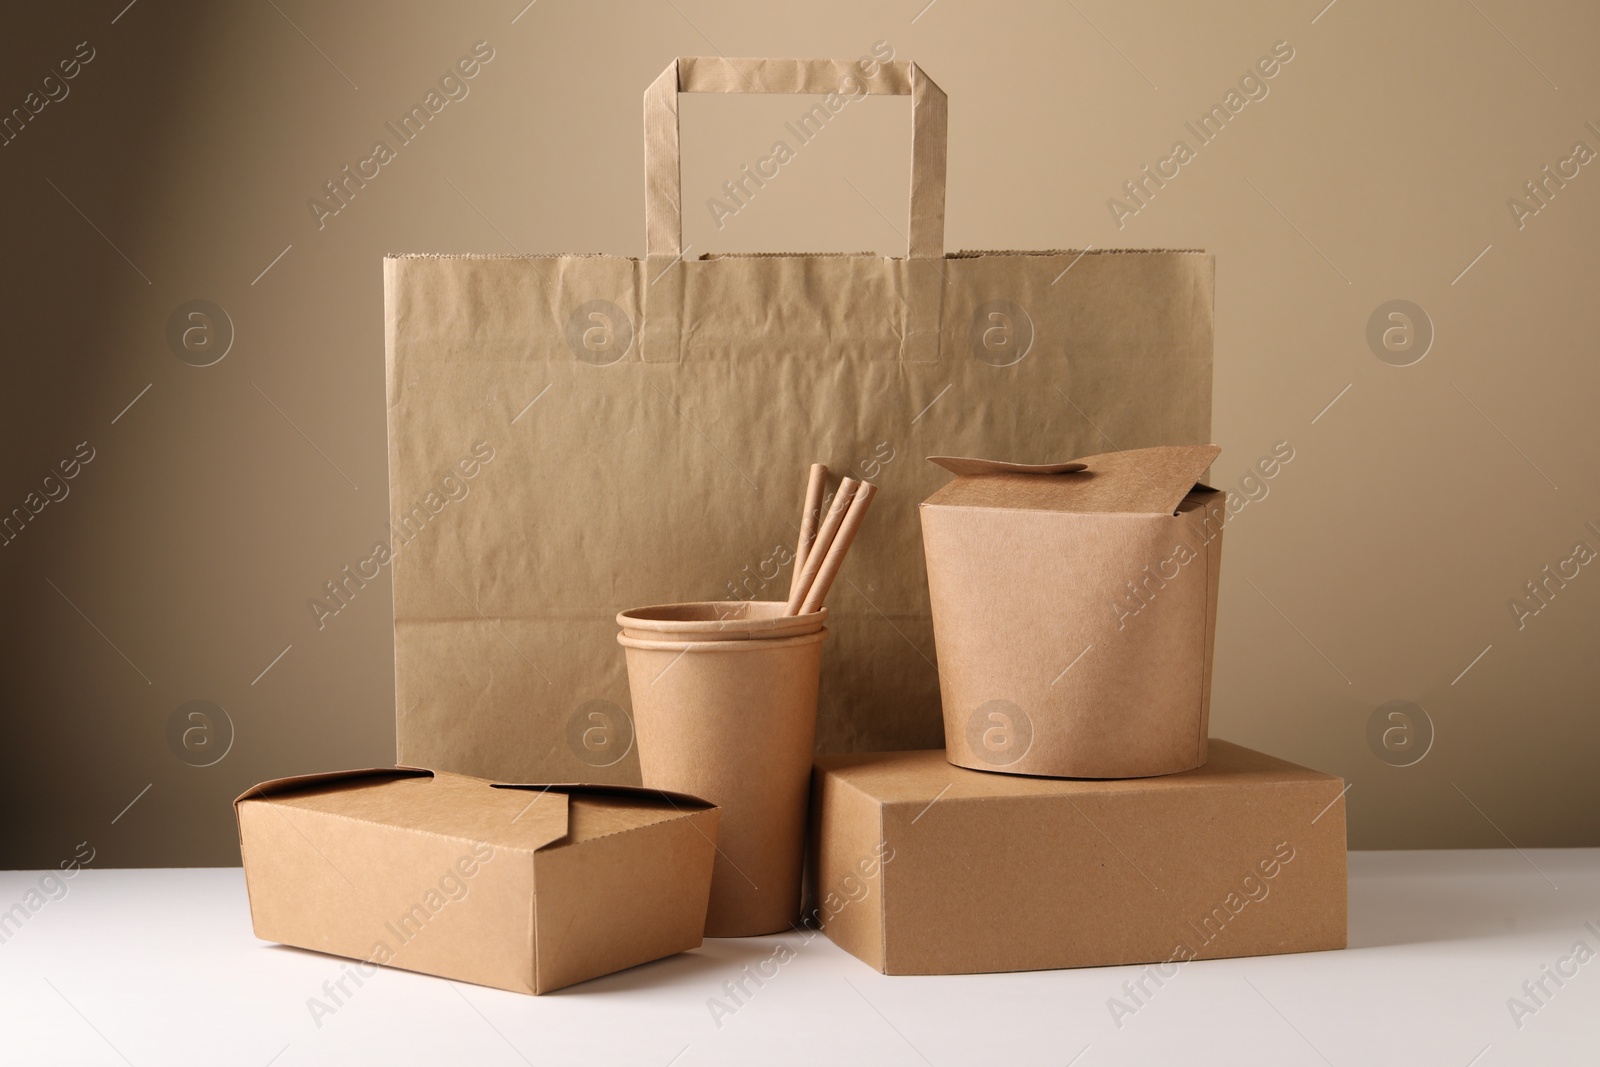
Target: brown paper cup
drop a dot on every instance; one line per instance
(734, 722)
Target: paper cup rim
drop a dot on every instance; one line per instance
(636, 621)
(766, 644)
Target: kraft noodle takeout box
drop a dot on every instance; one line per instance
(1074, 611)
(526, 888)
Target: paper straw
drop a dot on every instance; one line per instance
(819, 548)
(809, 519)
(859, 502)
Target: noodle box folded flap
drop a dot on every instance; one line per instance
(921, 867)
(1074, 611)
(526, 888)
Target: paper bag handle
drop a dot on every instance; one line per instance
(663, 211)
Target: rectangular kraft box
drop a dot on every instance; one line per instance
(922, 867)
(526, 888)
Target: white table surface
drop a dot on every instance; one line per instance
(160, 967)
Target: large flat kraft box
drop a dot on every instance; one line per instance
(921, 867)
(526, 888)
(1074, 611)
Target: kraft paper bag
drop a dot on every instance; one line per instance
(572, 435)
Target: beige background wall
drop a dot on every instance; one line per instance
(1378, 567)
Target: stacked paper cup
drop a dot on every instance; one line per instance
(725, 708)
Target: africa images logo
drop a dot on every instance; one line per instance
(453, 87)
